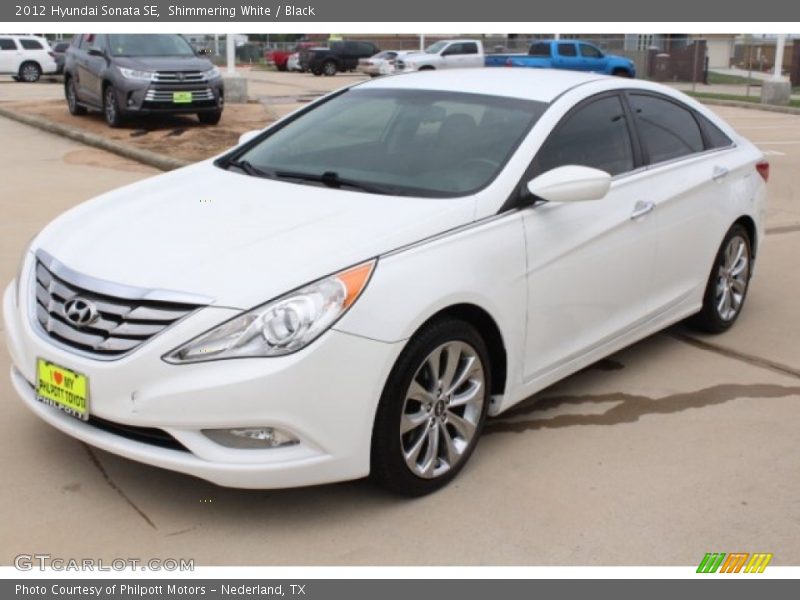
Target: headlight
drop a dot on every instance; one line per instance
(212, 73)
(137, 75)
(283, 325)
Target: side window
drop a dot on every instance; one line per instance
(7, 44)
(87, 39)
(470, 48)
(716, 138)
(31, 44)
(101, 42)
(590, 51)
(594, 135)
(453, 49)
(539, 49)
(667, 130)
(567, 49)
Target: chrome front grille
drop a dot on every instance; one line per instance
(154, 95)
(179, 76)
(118, 325)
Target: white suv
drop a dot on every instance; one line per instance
(26, 57)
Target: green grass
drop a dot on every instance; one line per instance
(754, 99)
(722, 78)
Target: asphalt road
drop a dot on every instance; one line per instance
(677, 446)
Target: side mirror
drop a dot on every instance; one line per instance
(570, 183)
(95, 51)
(204, 51)
(248, 135)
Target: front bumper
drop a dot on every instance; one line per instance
(149, 98)
(325, 395)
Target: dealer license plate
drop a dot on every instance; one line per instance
(63, 389)
(181, 97)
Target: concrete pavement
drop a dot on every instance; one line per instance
(677, 446)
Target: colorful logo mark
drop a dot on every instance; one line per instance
(735, 562)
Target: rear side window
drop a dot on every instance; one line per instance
(567, 50)
(469, 48)
(667, 130)
(31, 44)
(714, 135)
(7, 44)
(594, 135)
(539, 49)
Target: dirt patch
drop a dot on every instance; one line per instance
(180, 136)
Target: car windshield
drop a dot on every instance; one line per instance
(134, 44)
(435, 48)
(395, 141)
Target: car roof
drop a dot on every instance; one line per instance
(541, 85)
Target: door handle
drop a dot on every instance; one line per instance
(641, 208)
(719, 173)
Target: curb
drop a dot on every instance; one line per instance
(153, 159)
(787, 110)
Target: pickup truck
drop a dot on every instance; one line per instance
(445, 54)
(279, 58)
(572, 55)
(339, 56)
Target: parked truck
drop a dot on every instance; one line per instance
(573, 55)
(444, 54)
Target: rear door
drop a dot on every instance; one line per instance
(566, 56)
(693, 174)
(9, 55)
(589, 263)
(93, 67)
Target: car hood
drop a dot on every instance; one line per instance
(163, 63)
(238, 239)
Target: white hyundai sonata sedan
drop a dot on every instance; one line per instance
(354, 289)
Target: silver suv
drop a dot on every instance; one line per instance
(137, 74)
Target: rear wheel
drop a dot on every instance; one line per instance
(111, 107)
(621, 73)
(432, 409)
(728, 283)
(29, 72)
(329, 69)
(71, 93)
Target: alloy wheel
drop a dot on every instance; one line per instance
(442, 409)
(30, 72)
(732, 278)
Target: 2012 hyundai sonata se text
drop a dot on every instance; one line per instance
(354, 289)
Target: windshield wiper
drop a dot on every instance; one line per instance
(332, 179)
(249, 168)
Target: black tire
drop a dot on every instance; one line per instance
(388, 464)
(621, 73)
(427, 68)
(712, 318)
(71, 95)
(317, 72)
(282, 67)
(209, 118)
(29, 72)
(111, 111)
(329, 68)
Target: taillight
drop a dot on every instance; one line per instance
(763, 170)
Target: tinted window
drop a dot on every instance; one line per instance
(539, 49)
(413, 142)
(667, 130)
(594, 135)
(469, 48)
(7, 44)
(365, 48)
(454, 49)
(31, 44)
(714, 135)
(590, 51)
(567, 50)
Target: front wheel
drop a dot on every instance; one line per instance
(727, 284)
(209, 118)
(432, 409)
(329, 69)
(29, 72)
(111, 107)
